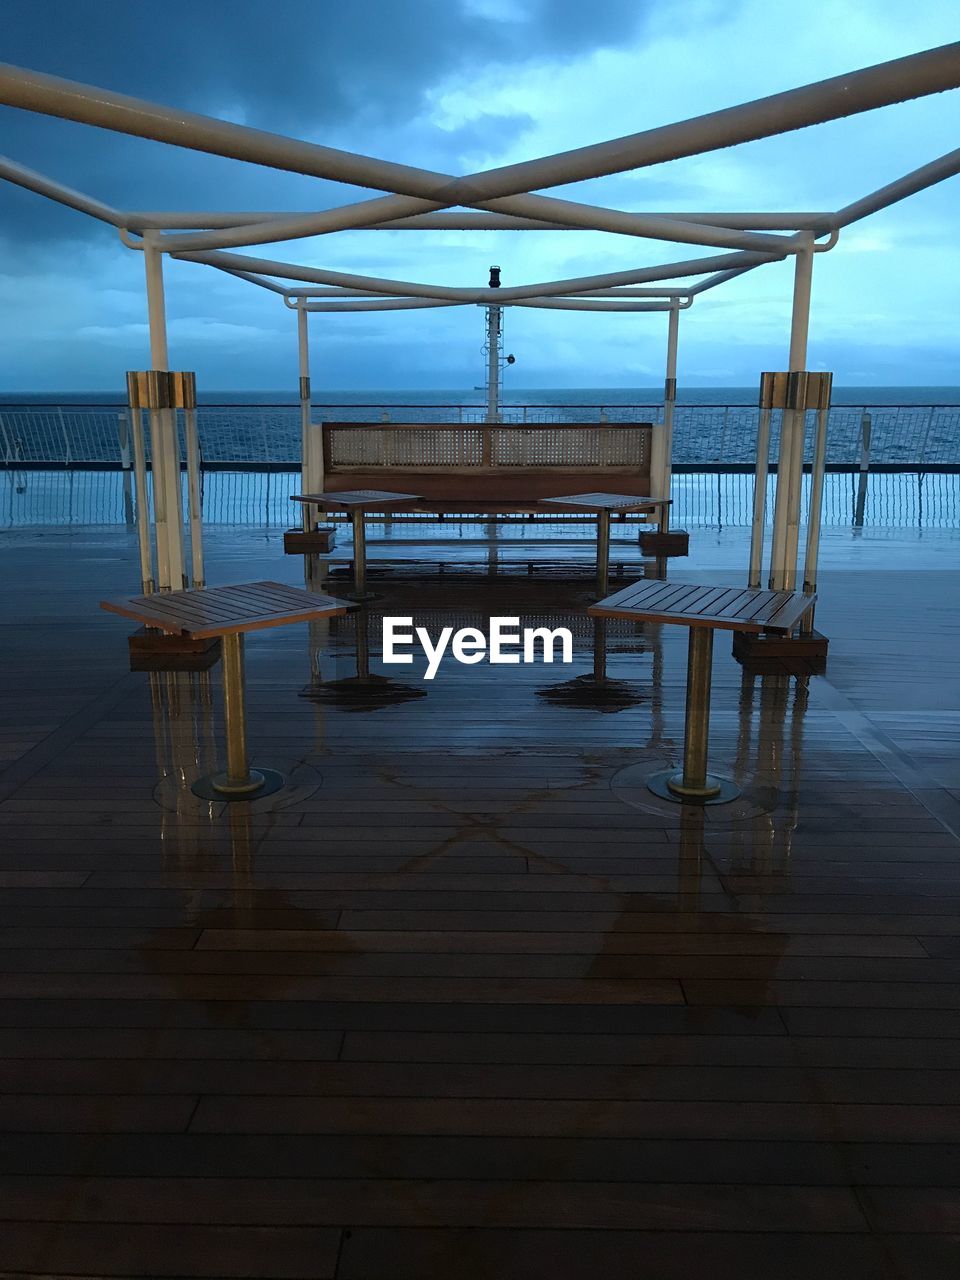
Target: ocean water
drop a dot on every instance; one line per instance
(919, 395)
(909, 426)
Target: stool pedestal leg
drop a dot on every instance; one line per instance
(693, 783)
(239, 779)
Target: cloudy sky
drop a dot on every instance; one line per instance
(460, 86)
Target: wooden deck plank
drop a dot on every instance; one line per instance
(469, 1008)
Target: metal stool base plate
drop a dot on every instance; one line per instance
(206, 789)
(659, 784)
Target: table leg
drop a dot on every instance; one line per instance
(694, 783)
(363, 646)
(603, 554)
(599, 650)
(239, 778)
(359, 557)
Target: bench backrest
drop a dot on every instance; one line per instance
(487, 461)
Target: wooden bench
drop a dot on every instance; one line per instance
(704, 610)
(229, 612)
(487, 468)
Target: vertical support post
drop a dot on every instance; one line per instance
(308, 480)
(669, 400)
(147, 580)
(123, 437)
(67, 458)
(168, 504)
(603, 553)
(815, 509)
(194, 494)
(493, 353)
(760, 479)
(493, 364)
(866, 430)
(786, 517)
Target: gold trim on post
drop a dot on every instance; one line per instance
(162, 389)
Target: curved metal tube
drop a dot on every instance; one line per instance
(406, 288)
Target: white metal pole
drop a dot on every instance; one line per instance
(306, 451)
(670, 399)
(786, 515)
(193, 490)
(815, 509)
(493, 360)
(147, 580)
(760, 487)
(168, 506)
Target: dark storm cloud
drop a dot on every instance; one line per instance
(336, 72)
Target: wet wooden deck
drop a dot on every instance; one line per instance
(468, 1002)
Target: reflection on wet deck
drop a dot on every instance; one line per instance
(467, 999)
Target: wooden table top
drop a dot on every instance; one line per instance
(607, 501)
(354, 499)
(216, 611)
(727, 608)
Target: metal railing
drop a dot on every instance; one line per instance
(63, 497)
(925, 437)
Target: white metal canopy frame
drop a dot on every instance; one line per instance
(508, 198)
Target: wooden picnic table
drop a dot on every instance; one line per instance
(229, 612)
(356, 502)
(704, 609)
(603, 504)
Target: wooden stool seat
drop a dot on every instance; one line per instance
(357, 502)
(704, 610)
(603, 504)
(229, 612)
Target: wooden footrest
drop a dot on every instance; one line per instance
(788, 655)
(299, 542)
(674, 543)
(157, 651)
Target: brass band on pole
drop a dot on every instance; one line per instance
(693, 781)
(162, 388)
(238, 779)
(603, 553)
